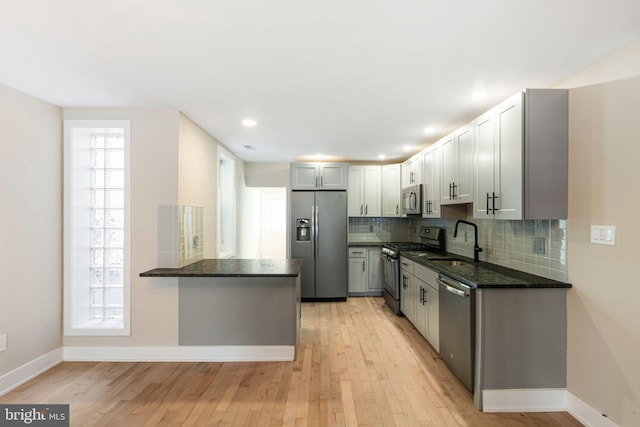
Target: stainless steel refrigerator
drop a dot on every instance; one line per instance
(319, 237)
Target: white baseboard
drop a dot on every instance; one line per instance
(524, 400)
(30, 370)
(586, 414)
(543, 400)
(231, 353)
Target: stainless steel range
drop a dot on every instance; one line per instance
(431, 240)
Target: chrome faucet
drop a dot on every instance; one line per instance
(476, 249)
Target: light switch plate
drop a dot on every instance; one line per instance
(603, 234)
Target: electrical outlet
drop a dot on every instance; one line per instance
(3, 342)
(195, 242)
(538, 245)
(466, 236)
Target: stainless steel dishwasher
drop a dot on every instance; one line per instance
(457, 327)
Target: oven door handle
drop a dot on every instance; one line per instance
(458, 288)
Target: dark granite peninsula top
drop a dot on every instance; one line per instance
(482, 274)
(371, 244)
(232, 268)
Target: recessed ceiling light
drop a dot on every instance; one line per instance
(429, 130)
(407, 148)
(479, 94)
(249, 123)
(382, 156)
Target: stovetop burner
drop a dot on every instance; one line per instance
(432, 239)
(407, 246)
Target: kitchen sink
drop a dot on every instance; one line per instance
(450, 262)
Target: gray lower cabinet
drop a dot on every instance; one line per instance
(521, 340)
(365, 271)
(239, 311)
(357, 270)
(407, 289)
(419, 299)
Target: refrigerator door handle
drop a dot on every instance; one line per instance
(313, 232)
(317, 224)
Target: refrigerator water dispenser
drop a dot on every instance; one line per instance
(303, 230)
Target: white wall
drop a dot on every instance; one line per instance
(154, 181)
(267, 174)
(30, 228)
(622, 64)
(603, 326)
(198, 177)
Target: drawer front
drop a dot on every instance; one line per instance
(426, 275)
(407, 265)
(357, 252)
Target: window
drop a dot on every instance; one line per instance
(97, 227)
(269, 213)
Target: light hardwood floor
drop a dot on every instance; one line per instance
(357, 365)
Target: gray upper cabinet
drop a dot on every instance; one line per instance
(365, 193)
(412, 171)
(391, 189)
(457, 167)
(520, 157)
(431, 181)
(318, 176)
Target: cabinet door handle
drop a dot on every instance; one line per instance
(362, 265)
(426, 295)
(397, 209)
(321, 184)
(487, 203)
(360, 209)
(454, 186)
(366, 209)
(494, 197)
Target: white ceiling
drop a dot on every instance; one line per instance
(345, 78)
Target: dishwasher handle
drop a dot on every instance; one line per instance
(454, 287)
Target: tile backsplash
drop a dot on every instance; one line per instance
(510, 243)
(504, 242)
(379, 230)
(180, 235)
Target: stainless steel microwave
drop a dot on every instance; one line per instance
(412, 200)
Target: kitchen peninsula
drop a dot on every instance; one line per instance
(249, 304)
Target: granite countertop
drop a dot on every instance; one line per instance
(372, 244)
(482, 274)
(232, 268)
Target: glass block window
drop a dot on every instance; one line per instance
(96, 228)
(107, 225)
